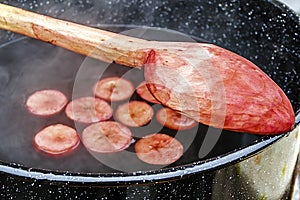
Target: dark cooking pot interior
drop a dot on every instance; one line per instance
(254, 30)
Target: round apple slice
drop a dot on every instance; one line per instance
(46, 102)
(56, 139)
(89, 110)
(174, 120)
(106, 137)
(113, 89)
(145, 94)
(158, 149)
(134, 113)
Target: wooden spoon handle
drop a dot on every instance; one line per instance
(92, 42)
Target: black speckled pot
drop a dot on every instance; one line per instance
(265, 32)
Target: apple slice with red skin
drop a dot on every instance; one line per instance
(134, 113)
(56, 139)
(158, 149)
(174, 120)
(113, 89)
(143, 91)
(88, 110)
(106, 137)
(46, 102)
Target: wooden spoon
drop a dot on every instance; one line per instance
(202, 81)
